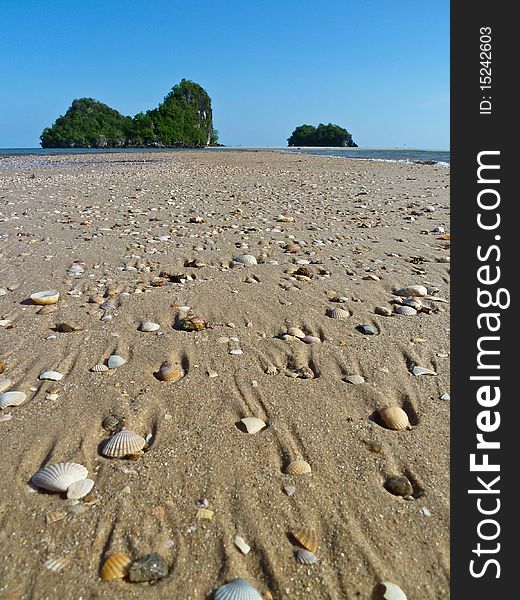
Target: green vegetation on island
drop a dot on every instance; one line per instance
(323, 135)
(183, 120)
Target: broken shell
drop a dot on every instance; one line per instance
(311, 339)
(193, 323)
(99, 368)
(111, 423)
(412, 290)
(115, 361)
(417, 371)
(252, 424)
(395, 418)
(305, 557)
(56, 564)
(169, 372)
(298, 467)
(115, 566)
(58, 477)
(307, 537)
(149, 326)
(5, 383)
(80, 488)
(246, 259)
(47, 297)
(337, 313)
(51, 376)
(296, 332)
(354, 379)
(405, 310)
(239, 589)
(123, 443)
(393, 591)
(241, 544)
(289, 489)
(384, 311)
(2, 366)
(11, 399)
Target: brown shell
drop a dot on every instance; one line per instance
(307, 537)
(298, 467)
(169, 372)
(115, 566)
(395, 418)
(2, 366)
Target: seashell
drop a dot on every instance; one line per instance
(252, 424)
(305, 557)
(395, 418)
(311, 339)
(307, 537)
(414, 303)
(241, 544)
(50, 376)
(115, 566)
(246, 259)
(354, 379)
(412, 290)
(193, 323)
(205, 514)
(47, 309)
(393, 591)
(337, 313)
(169, 372)
(56, 564)
(239, 589)
(58, 477)
(123, 443)
(115, 361)
(298, 467)
(54, 517)
(289, 489)
(384, 311)
(2, 366)
(417, 371)
(99, 368)
(47, 297)
(12, 399)
(296, 332)
(149, 326)
(96, 299)
(107, 305)
(408, 311)
(5, 383)
(80, 488)
(111, 423)
(236, 351)
(5, 417)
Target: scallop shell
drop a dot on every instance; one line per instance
(246, 259)
(296, 332)
(80, 488)
(305, 557)
(11, 399)
(149, 326)
(408, 311)
(239, 589)
(298, 467)
(115, 361)
(99, 368)
(393, 591)
(5, 383)
(170, 372)
(115, 566)
(307, 537)
(337, 313)
(47, 297)
(412, 290)
(56, 564)
(59, 477)
(123, 443)
(395, 418)
(253, 424)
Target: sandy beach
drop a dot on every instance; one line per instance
(133, 238)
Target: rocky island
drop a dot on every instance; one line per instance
(323, 135)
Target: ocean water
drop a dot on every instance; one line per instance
(441, 157)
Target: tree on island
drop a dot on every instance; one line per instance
(323, 135)
(184, 119)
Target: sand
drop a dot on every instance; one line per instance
(368, 228)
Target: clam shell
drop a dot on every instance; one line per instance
(11, 399)
(417, 371)
(59, 477)
(354, 379)
(296, 332)
(123, 443)
(384, 311)
(51, 376)
(393, 591)
(311, 339)
(305, 557)
(298, 467)
(149, 326)
(253, 424)
(239, 589)
(46, 297)
(307, 537)
(170, 372)
(115, 361)
(241, 544)
(246, 259)
(5, 383)
(80, 488)
(395, 418)
(408, 311)
(99, 368)
(412, 290)
(115, 566)
(337, 313)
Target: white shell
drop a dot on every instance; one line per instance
(246, 259)
(47, 297)
(5, 383)
(149, 326)
(99, 368)
(239, 589)
(354, 379)
(405, 310)
(123, 443)
(115, 361)
(422, 371)
(252, 424)
(337, 313)
(12, 399)
(311, 339)
(412, 290)
(393, 591)
(58, 478)
(305, 557)
(296, 332)
(56, 564)
(241, 544)
(51, 376)
(80, 488)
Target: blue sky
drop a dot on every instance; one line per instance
(379, 68)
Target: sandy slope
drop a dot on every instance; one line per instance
(106, 212)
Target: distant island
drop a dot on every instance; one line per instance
(323, 135)
(183, 120)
